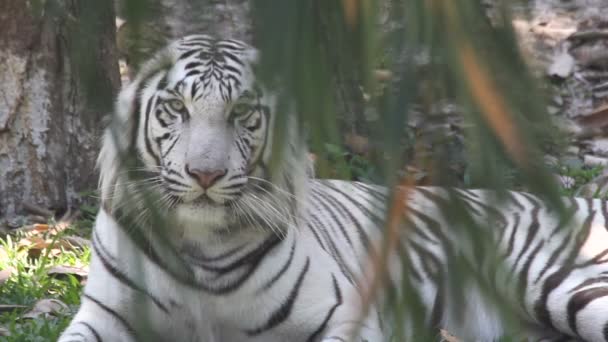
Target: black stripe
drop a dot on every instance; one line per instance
(92, 330)
(144, 244)
(193, 72)
(426, 257)
(525, 273)
(160, 120)
(114, 314)
(146, 133)
(249, 257)
(232, 69)
(282, 270)
(408, 264)
(590, 281)
(192, 65)
(377, 220)
(252, 260)
(233, 58)
(316, 235)
(163, 137)
(174, 182)
(187, 54)
(560, 227)
(193, 89)
(372, 191)
(435, 229)
(361, 232)
(512, 196)
(531, 234)
(230, 45)
(122, 277)
(333, 249)
(162, 84)
(604, 213)
(323, 325)
(514, 230)
(580, 300)
(238, 146)
(492, 211)
(330, 210)
(283, 312)
(170, 148)
(557, 278)
(198, 253)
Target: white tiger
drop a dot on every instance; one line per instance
(247, 253)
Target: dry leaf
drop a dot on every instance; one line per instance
(596, 119)
(79, 272)
(33, 242)
(447, 337)
(45, 308)
(77, 241)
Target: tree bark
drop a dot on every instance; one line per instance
(152, 26)
(52, 51)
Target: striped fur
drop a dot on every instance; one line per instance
(279, 256)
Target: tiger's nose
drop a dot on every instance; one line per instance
(205, 178)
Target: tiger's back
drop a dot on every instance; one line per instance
(207, 244)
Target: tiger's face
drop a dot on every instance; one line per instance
(204, 127)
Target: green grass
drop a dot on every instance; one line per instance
(581, 175)
(30, 282)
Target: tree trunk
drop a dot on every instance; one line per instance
(151, 26)
(52, 51)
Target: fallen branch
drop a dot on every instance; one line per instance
(37, 210)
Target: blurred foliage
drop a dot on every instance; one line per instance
(472, 62)
(469, 61)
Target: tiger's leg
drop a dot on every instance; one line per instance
(120, 302)
(95, 322)
(99, 318)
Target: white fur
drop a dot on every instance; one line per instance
(326, 230)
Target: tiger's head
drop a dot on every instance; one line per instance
(201, 128)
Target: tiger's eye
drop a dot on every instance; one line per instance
(241, 108)
(177, 105)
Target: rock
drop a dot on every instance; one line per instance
(591, 160)
(572, 162)
(568, 126)
(573, 150)
(598, 187)
(553, 110)
(46, 308)
(551, 161)
(587, 191)
(599, 146)
(562, 66)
